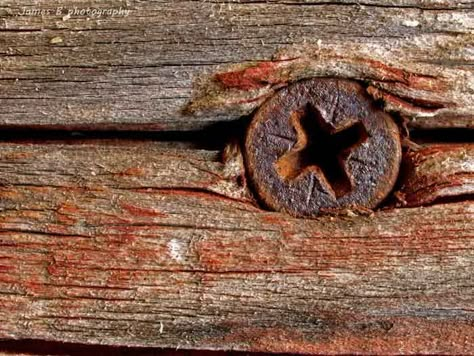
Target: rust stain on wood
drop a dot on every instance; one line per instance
(251, 78)
(404, 89)
(140, 211)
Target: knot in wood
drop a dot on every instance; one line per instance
(322, 144)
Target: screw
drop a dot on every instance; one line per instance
(321, 145)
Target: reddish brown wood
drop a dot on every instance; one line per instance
(429, 175)
(152, 246)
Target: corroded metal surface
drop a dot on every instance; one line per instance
(322, 144)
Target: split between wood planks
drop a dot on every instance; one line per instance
(128, 216)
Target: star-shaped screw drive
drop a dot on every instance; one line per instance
(322, 150)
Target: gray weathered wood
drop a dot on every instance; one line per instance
(142, 71)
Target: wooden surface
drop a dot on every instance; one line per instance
(155, 68)
(436, 173)
(144, 245)
(154, 239)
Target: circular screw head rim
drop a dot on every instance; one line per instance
(320, 145)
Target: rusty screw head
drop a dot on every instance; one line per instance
(322, 144)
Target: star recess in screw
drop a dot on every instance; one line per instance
(321, 150)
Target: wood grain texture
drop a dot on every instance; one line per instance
(429, 174)
(151, 246)
(142, 71)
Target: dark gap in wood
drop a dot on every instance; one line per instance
(37, 347)
(448, 135)
(213, 137)
(453, 199)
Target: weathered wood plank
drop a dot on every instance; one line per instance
(128, 166)
(150, 246)
(432, 171)
(437, 172)
(143, 70)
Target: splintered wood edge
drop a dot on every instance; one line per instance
(182, 65)
(144, 246)
(437, 172)
(425, 95)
